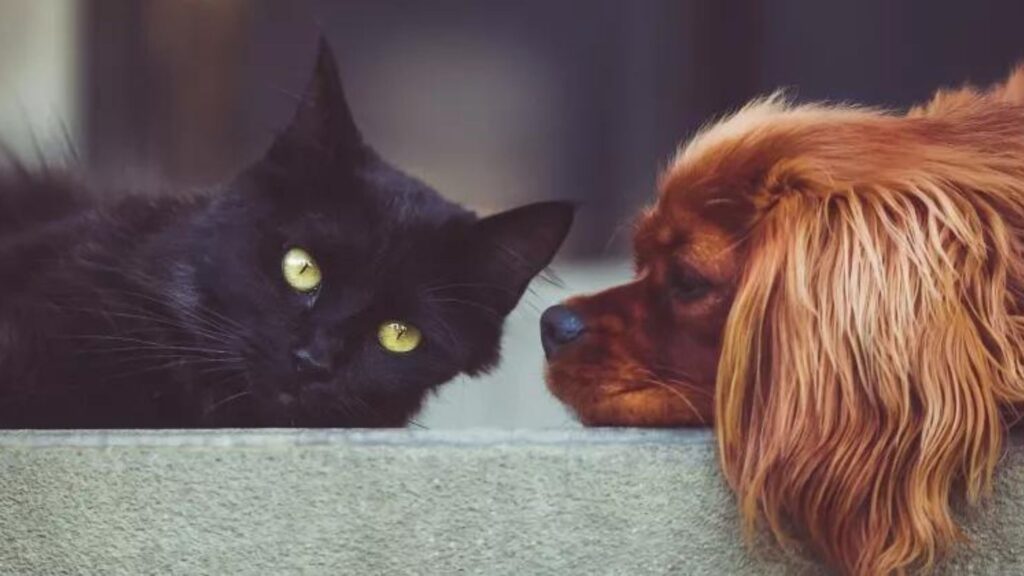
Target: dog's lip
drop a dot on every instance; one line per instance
(622, 391)
(556, 358)
(586, 394)
(633, 388)
(604, 387)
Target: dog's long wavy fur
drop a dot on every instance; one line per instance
(874, 354)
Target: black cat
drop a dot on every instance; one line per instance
(321, 287)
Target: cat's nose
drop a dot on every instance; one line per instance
(312, 361)
(559, 325)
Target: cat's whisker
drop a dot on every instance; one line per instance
(527, 299)
(151, 322)
(183, 360)
(226, 401)
(183, 307)
(444, 287)
(148, 369)
(192, 352)
(141, 344)
(365, 406)
(158, 354)
(218, 365)
(341, 404)
(207, 329)
(550, 276)
(446, 328)
(469, 303)
(144, 316)
(132, 339)
(151, 318)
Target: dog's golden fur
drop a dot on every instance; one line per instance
(872, 353)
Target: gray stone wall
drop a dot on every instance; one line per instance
(402, 502)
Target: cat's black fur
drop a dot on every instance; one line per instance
(171, 311)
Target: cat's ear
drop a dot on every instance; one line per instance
(512, 247)
(322, 124)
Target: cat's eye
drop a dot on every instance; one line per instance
(300, 270)
(399, 337)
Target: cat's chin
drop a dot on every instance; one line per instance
(287, 400)
(315, 405)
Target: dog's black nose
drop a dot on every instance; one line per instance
(558, 326)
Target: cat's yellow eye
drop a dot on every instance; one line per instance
(300, 270)
(399, 337)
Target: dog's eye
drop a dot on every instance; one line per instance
(687, 284)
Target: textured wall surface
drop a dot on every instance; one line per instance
(401, 502)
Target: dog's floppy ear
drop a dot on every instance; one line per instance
(872, 343)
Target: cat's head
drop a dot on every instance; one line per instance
(352, 288)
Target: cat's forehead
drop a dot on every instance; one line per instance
(369, 216)
(401, 197)
(334, 225)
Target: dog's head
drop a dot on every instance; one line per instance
(840, 290)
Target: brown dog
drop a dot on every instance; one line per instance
(839, 290)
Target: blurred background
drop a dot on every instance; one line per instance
(494, 103)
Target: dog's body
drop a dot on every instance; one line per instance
(841, 292)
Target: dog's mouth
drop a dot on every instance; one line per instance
(604, 397)
(605, 362)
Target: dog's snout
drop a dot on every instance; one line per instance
(559, 325)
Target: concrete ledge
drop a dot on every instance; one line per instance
(401, 502)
